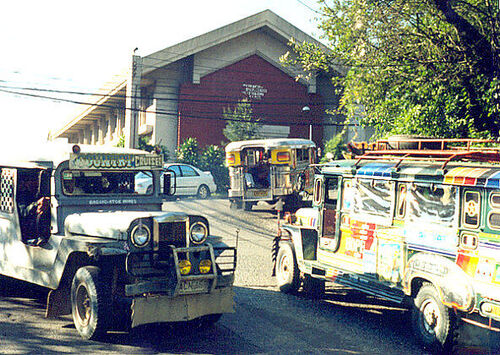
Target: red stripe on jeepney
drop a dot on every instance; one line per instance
(470, 181)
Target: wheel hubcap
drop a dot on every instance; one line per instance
(203, 192)
(83, 305)
(284, 269)
(430, 312)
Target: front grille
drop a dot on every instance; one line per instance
(172, 233)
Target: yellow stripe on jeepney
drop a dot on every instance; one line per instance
(233, 159)
(281, 156)
(458, 175)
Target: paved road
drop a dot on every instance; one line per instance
(265, 321)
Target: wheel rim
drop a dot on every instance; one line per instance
(431, 316)
(83, 308)
(203, 192)
(284, 269)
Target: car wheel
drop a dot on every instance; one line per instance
(433, 322)
(203, 192)
(90, 302)
(287, 270)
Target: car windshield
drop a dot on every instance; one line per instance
(81, 183)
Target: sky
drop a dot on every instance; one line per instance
(75, 45)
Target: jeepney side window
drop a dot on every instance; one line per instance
(302, 154)
(494, 214)
(471, 209)
(431, 203)
(401, 207)
(373, 197)
(317, 192)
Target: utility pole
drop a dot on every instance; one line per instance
(132, 102)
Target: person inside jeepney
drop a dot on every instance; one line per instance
(262, 171)
(33, 201)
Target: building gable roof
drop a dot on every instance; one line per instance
(267, 19)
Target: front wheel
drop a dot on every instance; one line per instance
(90, 302)
(433, 322)
(203, 192)
(287, 270)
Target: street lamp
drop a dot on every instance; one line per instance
(306, 110)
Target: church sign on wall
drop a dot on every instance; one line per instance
(253, 91)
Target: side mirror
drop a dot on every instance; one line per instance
(169, 183)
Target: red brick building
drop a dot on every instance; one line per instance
(182, 91)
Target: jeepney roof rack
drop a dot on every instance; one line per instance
(442, 150)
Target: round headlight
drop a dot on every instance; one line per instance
(140, 235)
(198, 233)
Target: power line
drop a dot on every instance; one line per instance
(305, 123)
(227, 100)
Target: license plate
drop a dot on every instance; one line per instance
(193, 286)
(262, 193)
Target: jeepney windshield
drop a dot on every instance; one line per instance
(91, 182)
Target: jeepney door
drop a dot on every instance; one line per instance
(330, 226)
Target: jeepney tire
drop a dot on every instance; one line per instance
(433, 323)
(287, 270)
(247, 206)
(313, 287)
(203, 192)
(90, 302)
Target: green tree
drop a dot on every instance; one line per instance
(213, 159)
(429, 67)
(188, 152)
(241, 123)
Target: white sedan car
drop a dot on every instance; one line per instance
(191, 181)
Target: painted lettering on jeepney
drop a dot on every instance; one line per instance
(444, 239)
(361, 238)
(114, 161)
(354, 247)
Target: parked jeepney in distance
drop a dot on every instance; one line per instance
(406, 225)
(73, 221)
(270, 170)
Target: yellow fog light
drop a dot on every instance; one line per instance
(185, 267)
(205, 266)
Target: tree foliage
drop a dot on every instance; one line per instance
(429, 67)
(241, 123)
(212, 159)
(188, 152)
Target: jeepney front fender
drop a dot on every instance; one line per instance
(453, 284)
(304, 241)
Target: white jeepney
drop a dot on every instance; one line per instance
(108, 253)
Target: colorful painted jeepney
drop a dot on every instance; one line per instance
(424, 230)
(75, 221)
(270, 170)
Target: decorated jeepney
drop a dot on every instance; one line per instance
(270, 170)
(102, 244)
(414, 226)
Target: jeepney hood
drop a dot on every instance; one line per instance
(307, 216)
(111, 224)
